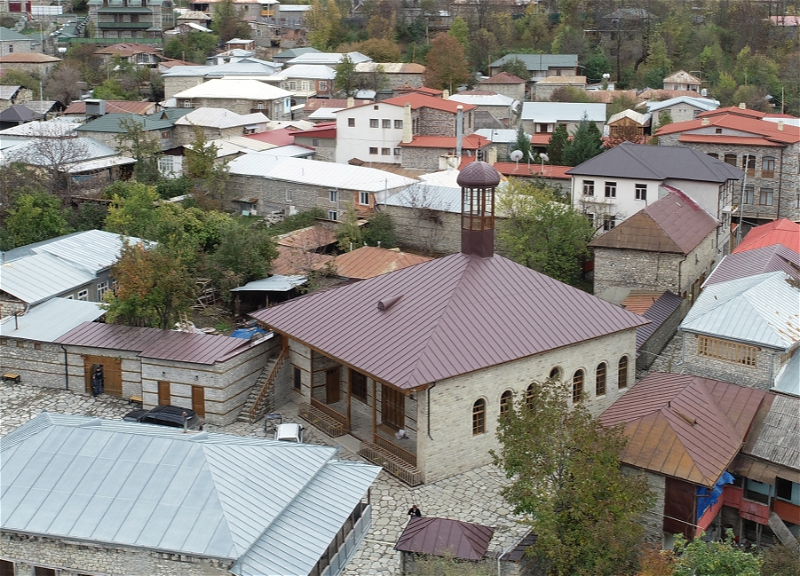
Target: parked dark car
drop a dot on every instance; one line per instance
(167, 416)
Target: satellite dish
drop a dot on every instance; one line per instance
(544, 157)
(516, 155)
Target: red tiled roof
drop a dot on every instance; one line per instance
(786, 134)
(503, 78)
(114, 107)
(726, 139)
(684, 426)
(445, 537)
(368, 262)
(436, 321)
(471, 142)
(674, 223)
(782, 231)
(541, 139)
(170, 62)
(155, 343)
(524, 170)
(418, 100)
(280, 137)
(321, 130)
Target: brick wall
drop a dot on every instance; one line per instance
(451, 447)
(43, 367)
(759, 376)
(73, 559)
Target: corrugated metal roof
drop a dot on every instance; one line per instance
(276, 283)
(788, 381)
(93, 250)
(639, 301)
(309, 238)
(51, 319)
(641, 119)
(539, 62)
(230, 88)
(113, 122)
(449, 316)
(98, 164)
(28, 58)
(484, 99)
(213, 495)
(316, 173)
(775, 258)
(641, 161)
(248, 68)
(220, 118)
(445, 537)
(684, 426)
(293, 261)
(312, 71)
(778, 440)
(699, 103)
(430, 196)
(326, 58)
(554, 112)
(782, 231)
(370, 261)
(40, 277)
(121, 106)
(658, 313)
(763, 309)
(503, 78)
(290, 151)
(19, 113)
(155, 343)
(674, 223)
(418, 100)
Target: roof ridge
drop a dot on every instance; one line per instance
(627, 148)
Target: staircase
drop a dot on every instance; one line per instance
(261, 399)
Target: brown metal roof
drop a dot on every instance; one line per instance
(639, 301)
(684, 426)
(291, 261)
(114, 106)
(775, 258)
(503, 78)
(369, 261)
(454, 315)
(674, 223)
(657, 313)
(444, 537)
(309, 238)
(155, 343)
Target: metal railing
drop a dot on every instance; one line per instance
(315, 417)
(262, 394)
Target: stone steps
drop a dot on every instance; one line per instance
(244, 414)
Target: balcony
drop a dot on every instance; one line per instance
(124, 25)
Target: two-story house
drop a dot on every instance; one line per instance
(682, 80)
(239, 96)
(765, 147)
(540, 65)
(680, 108)
(541, 118)
(110, 127)
(308, 81)
(130, 18)
(217, 123)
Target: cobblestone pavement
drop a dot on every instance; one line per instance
(470, 497)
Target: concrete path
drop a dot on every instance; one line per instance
(470, 497)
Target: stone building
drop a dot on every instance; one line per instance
(159, 127)
(239, 96)
(542, 118)
(544, 89)
(308, 81)
(397, 74)
(321, 139)
(273, 183)
(682, 80)
(664, 310)
(680, 108)
(12, 42)
(434, 153)
(766, 148)
(212, 375)
(217, 123)
(506, 84)
(418, 364)
(670, 245)
(30, 62)
(132, 498)
(540, 66)
(180, 78)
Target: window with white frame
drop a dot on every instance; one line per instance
(187, 103)
(373, 122)
(641, 191)
(292, 84)
(397, 151)
(373, 149)
(611, 189)
(398, 124)
(304, 85)
(333, 195)
(386, 123)
(588, 187)
(166, 164)
(363, 198)
(83, 295)
(608, 223)
(102, 288)
(333, 215)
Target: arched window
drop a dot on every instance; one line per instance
(529, 397)
(555, 373)
(505, 401)
(600, 379)
(577, 386)
(622, 372)
(479, 417)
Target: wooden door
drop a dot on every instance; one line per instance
(164, 395)
(112, 373)
(393, 407)
(332, 386)
(679, 507)
(199, 400)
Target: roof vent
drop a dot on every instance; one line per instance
(742, 106)
(705, 122)
(780, 125)
(387, 303)
(692, 421)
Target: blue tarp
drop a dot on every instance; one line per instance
(248, 332)
(706, 498)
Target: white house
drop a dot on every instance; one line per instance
(543, 117)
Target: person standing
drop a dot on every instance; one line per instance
(97, 382)
(414, 512)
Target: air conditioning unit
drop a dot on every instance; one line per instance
(95, 107)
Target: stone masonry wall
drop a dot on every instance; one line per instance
(177, 84)
(73, 558)
(10, 305)
(130, 363)
(759, 376)
(660, 338)
(449, 447)
(421, 158)
(43, 367)
(653, 519)
(440, 233)
(786, 176)
(433, 122)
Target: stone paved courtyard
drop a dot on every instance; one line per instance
(471, 497)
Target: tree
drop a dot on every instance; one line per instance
(664, 118)
(201, 166)
(324, 23)
(566, 479)
(141, 145)
(382, 24)
(377, 49)
(721, 558)
(516, 67)
(484, 44)
(53, 149)
(379, 231)
(460, 31)
(64, 83)
(586, 143)
(245, 252)
(20, 78)
(780, 560)
(346, 80)
(555, 147)
(193, 47)
(596, 65)
(542, 232)
(228, 22)
(132, 209)
(348, 233)
(446, 67)
(523, 144)
(34, 217)
(110, 90)
(153, 287)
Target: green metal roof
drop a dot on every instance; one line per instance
(6, 35)
(158, 121)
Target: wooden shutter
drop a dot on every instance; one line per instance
(164, 395)
(199, 400)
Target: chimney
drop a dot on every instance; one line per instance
(742, 106)
(705, 122)
(780, 125)
(351, 101)
(445, 94)
(478, 181)
(492, 156)
(408, 134)
(459, 129)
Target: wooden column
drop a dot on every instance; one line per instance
(374, 409)
(349, 393)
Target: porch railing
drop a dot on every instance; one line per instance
(330, 413)
(393, 464)
(393, 448)
(314, 416)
